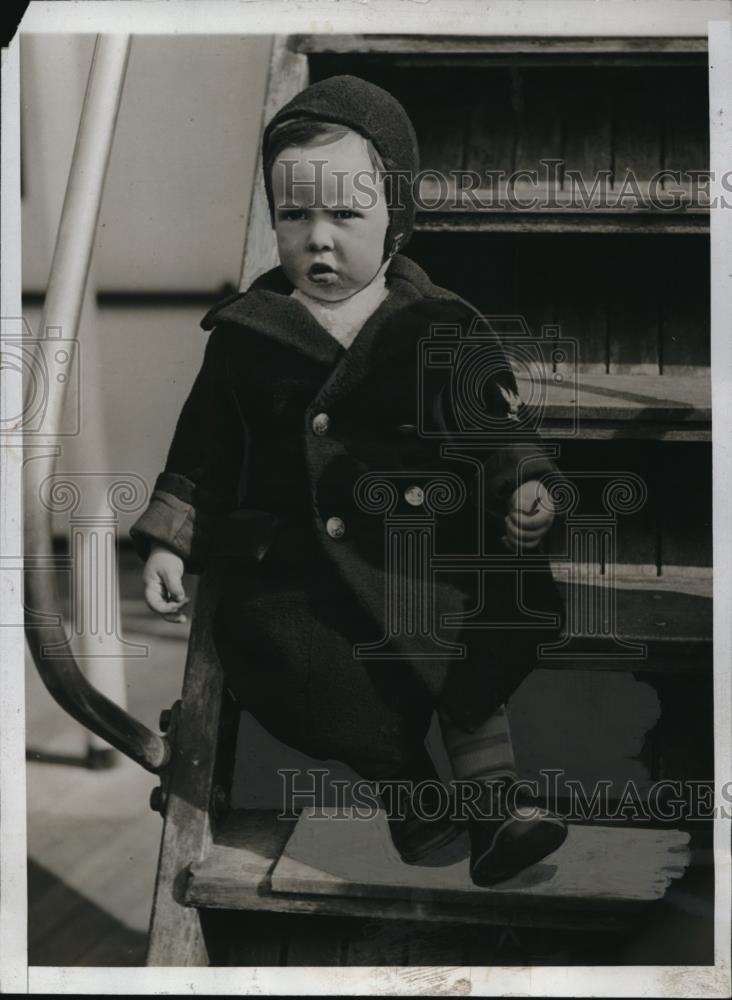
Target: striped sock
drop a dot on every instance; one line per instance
(483, 755)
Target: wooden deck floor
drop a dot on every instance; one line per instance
(92, 837)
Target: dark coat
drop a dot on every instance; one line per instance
(249, 483)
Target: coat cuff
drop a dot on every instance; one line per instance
(174, 518)
(177, 525)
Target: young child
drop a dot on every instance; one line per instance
(310, 379)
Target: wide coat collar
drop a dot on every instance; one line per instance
(268, 310)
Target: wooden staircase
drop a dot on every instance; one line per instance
(629, 286)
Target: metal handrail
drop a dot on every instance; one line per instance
(62, 309)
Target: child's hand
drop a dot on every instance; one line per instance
(530, 515)
(163, 579)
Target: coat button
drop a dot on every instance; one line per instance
(321, 423)
(414, 495)
(335, 526)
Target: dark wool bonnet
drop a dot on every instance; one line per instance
(376, 115)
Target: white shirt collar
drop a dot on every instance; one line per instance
(344, 319)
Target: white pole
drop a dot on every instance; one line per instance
(80, 212)
(65, 297)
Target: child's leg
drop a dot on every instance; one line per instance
(483, 755)
(502, 842)
(414, 834)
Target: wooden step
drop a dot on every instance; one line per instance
(503, 219)
(539, 207)
(669, 617)
(600, 877)
(462, 45)
(672, 407)
(674, 625)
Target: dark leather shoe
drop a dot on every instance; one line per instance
(504, 843)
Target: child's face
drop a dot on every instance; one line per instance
(330, 220)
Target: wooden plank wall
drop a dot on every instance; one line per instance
(674, 527)
(634, 303)
(282, 939)
(612, 117)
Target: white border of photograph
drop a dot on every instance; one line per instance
(503, 17)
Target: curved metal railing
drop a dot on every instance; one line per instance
(62, 309)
